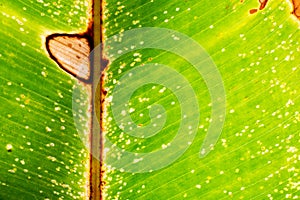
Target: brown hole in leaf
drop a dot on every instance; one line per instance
(71, 52)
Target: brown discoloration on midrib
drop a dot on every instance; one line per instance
(98, 30)
(102, 104)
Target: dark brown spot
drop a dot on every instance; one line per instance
(104, 92)
(262, 5)
(104, 63)
(252, 11)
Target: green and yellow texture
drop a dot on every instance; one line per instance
(257, 155)
(42, 155)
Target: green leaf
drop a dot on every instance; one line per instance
(42, 155)
(256, 155)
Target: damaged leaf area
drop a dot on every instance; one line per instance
(263, 4)
(71, 53)
(294, 3)
(296, 8)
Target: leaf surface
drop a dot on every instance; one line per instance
(256, 155)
